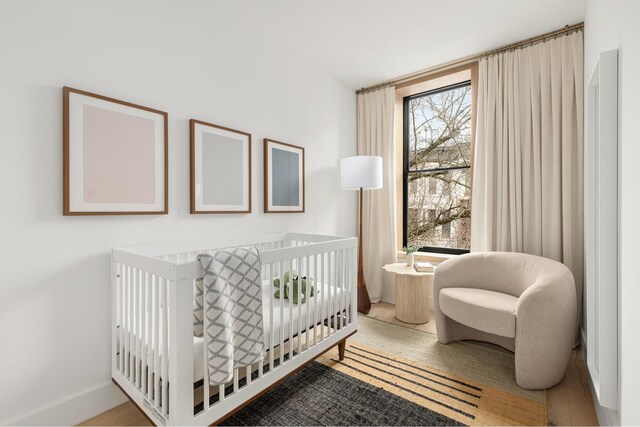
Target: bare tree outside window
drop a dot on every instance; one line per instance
(437, 126)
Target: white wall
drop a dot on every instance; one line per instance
(613, 24)
(193, 59)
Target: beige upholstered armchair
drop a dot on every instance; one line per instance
(524, 303)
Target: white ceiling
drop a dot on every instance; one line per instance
(363, 42)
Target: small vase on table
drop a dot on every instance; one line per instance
(409, 259)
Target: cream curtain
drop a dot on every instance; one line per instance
(528, 162)
(375, 138)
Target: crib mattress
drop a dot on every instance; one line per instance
(323, 313)
(278, 327)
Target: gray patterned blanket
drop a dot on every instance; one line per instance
(229, 301)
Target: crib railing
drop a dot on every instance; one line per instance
(152, 329)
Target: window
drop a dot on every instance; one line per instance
(433, 186)
(437, 172)
(432, 214)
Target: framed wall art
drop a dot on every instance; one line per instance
(283, 177)
(115, 159)
(220, 169)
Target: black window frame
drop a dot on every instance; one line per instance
(406, 172)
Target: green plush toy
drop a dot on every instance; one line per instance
(291, 288)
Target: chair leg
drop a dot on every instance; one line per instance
(341, 346)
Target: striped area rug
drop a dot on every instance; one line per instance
(460, 399)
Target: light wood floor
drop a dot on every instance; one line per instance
(124, 415)
(569, 403)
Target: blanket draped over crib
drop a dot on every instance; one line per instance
(231, 303)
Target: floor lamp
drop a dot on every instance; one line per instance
(361, 173)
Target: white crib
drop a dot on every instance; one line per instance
(159, 363)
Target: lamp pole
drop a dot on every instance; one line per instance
(364, 303)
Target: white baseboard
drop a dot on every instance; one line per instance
(74, 409)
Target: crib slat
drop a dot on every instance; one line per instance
(334, 308)
(343, 292)
(271, 325)
(136, 308)
(327, 304)
(347, 285)
(143, 378)
(322, 299)
(148, 366)
(330, 283)
(336, 285)
(282, 284)
(307, 295)
(131, 325)
(122, 302)
(138, 354)
(315, 299)
(290, 300)
(300, 275)
(328, 313)
(156, 283)
(271, 302)
(350, 283)
(236, 374)
(353, 288)
(165, 345)
(339, 293)
(347, 267)
(136, 325)
(125, 309)
(205, 361)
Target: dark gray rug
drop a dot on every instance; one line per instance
(320, 396)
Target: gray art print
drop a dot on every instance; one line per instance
(222, 170)
(285, 178)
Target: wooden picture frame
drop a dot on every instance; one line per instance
(224, 186)
(284, 191)
(115, 156)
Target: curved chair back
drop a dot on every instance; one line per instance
(507, 272)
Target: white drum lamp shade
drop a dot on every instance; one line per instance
(361, 172)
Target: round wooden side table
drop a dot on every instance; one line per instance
(412, 293)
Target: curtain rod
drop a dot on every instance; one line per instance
(568, 29)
